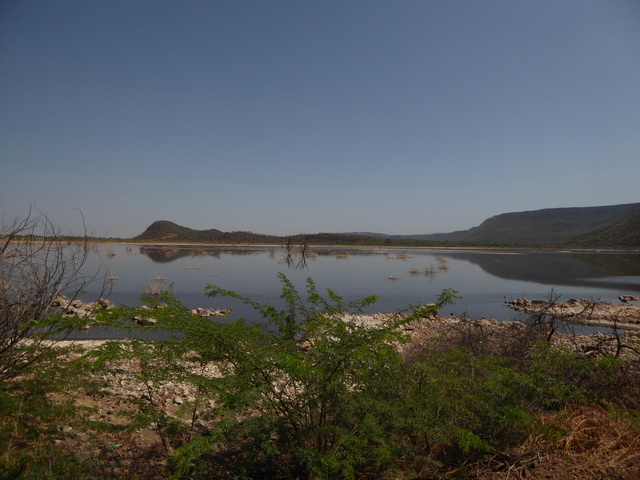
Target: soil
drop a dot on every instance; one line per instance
(594, 444)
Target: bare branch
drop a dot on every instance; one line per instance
(36, 266)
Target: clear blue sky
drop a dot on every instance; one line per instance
(286, 117)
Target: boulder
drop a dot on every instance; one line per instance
(104, 303)
(145, 321)
(628, 298)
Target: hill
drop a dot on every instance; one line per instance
(163, 230)
(548, 226)
(166, 231)
(623, 233)
(614, 226)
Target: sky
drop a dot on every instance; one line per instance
(284, 117)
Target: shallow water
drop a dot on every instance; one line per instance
(399, 277)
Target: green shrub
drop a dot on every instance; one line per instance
(555, 376)
(310, 390)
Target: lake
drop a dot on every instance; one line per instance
(398, 276)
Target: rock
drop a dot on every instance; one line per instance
(145, 320)
(60, 301)
(205, 312)
(628, 298)
(104, 303)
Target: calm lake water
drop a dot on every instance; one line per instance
(399, 277)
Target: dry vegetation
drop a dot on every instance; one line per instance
(580, 440)
(312, 392)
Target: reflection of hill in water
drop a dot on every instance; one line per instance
(572, 269)
(169, 253)
(616, 264)
(166, 254)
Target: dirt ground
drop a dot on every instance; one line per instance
(594, 443)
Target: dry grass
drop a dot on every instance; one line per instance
(158, 286)
(594, 444)
(595, 434)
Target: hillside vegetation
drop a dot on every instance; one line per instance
(169, 231)
(624, 233)
(547, 226)
(165, 231)
(615, 226)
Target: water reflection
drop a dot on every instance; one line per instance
(164, 254)
(558, 268)
(592, 270)
(400, 277)
(168, 253)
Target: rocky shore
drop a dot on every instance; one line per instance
(79, 309)
(624, 316)
(131, 450)
(483, 337)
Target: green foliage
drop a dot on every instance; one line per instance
(311, 376)
(312, 390)
(464, 403)
(309, 390)
(623, 233)
(31, 423)
(555, 376)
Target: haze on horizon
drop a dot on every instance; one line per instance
(287, 117)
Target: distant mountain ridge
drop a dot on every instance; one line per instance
(166, 231)
(546, 226)
(622, 233)
(551, 225)
(614, 226)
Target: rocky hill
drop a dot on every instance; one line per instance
(549, 226)
(623, 233)
(163, 230)
(614, 226)
(544, 226)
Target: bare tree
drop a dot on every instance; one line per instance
(36, 266)
(551, 315)
(301, 252)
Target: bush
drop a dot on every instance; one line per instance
(313, 391)
(36, 266)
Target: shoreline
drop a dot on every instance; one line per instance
(492, 249)
(623, 316)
